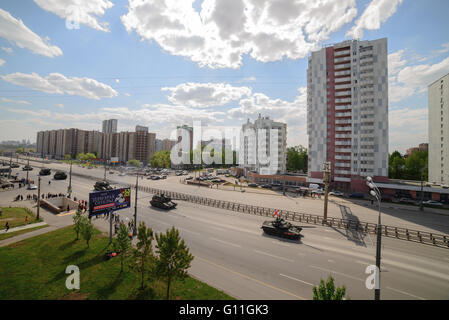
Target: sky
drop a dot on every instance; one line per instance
(163, 63)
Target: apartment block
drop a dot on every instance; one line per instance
(347, 112)
(439, 130)
(261, 143)
(109, 126)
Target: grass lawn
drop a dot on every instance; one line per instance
(16, 233)
(35, 269)
(16, 217)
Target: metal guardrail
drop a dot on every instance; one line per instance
(438, 240)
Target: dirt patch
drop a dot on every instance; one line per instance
(74, 296)
(17, 244)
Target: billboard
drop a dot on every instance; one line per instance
(110, 200)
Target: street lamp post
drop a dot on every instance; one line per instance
(135, 207)
(326, 178)
(375, 192)
(28, 165)
(69, 191)
(421, 206)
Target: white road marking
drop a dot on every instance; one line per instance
(272, 255)
(382, 267)
(280, 243)
(331, 261)
(226, 242)
(408, 294)
(283, 275)
(336, 272)
(301, 254)
(183, 229)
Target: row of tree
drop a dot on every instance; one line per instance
(170, 261)
(414, 167)
(297, 159)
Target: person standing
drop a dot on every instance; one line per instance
(26, 219)
(7, 226)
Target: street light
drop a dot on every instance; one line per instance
(69, 191)
(375, 192)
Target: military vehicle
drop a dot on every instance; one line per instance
(27, 168)
(281, 228)
(60, 175)
(45, 172)
(102, 186)
(14, 165)
(162, 202)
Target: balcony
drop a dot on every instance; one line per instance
(342, 157)
(342, 66)
(343, 121)
(343, 59)
(343, 136)
(338, 54)
(343, 150)
(345, 107)
(343, 143)
(343, 93)
(342, 179)
(343, 114)
(343, 73)
(343, 86)
(343, 79)
(344, 100)
(342, 172)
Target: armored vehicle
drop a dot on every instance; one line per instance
(14, 165)
(27, 168)
(60, 175)
(281, 228)
(102, 186)
(162, 202)
(45, 172)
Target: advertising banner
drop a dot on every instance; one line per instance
(110, 200)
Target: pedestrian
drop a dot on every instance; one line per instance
(26, 219)
(7, 226)
(68, 208)
(49, 182)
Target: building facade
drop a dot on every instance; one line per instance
(110, 126)
(439, 131)
(347, 113)
(263, 146)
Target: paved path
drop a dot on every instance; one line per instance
(28, 226)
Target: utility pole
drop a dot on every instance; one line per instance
(326, 178)
(421, 206)
(38, 197)
(105, 171)
(28, 181)
(135, 207)
(69, 190)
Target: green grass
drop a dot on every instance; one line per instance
(35, 269)
(16, 233)
(16, 217)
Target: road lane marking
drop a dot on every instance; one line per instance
(336, 272)
(218, 228)
(280, 243)
(382, 267)
(252, 279)
(301, 254)
(273, 256)
(226, 242)
(183, 229)
(283, 275)
(408, 294)
(331, 261)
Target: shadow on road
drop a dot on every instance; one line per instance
(352, 235)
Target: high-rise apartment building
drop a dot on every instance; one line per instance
(347, 112)
(439, 131)
(263, 146)
(110, 126)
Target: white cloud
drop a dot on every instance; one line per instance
(224, 30)
(81, 11)
(7, 50)
(445, 48)
(2, 62)
(376, 13)
(203, 95)
(56, 83)
(421, 76)
(15, 101)
(16, 31)
(117, 80)
(407, 128)
(395, 62)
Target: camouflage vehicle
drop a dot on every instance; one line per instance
(162, 202)
(281, 228)
(102, 186)
(60, 175)
(45, 172)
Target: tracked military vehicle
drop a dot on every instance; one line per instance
(281, 228)
(102, 186)
(45, 172)
(162, 202)
(60, 175)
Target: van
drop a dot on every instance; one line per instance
(314, 186)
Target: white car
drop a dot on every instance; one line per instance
(336, 193)
(32, 187)
(432, 203)
(122, 174)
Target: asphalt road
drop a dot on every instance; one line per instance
(232, 253)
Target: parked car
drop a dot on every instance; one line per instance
(163, 176)
(32, 187)
(122, 174)
(266, 186)
(432, 203)
(111, 172)
(336, 193)
(253, 185)
(357, 195)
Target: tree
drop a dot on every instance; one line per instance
(87, 229)
(161, 159)
(77, 219)
(415, 166)
(123, 244)
(68, 156)
(134, 163)
(297, 159)
(174, 257)
(396, 165)
(142, 255)
(19, 150)
(327, 291)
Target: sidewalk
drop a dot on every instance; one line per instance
(28, 226)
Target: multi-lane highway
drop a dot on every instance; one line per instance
(232, 253)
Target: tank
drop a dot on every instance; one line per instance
(45, 172)
(60, 175)
(102, 186)
(162, 202)
(281, 228)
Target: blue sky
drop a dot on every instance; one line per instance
(165, 63)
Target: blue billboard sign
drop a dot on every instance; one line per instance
(110, 200)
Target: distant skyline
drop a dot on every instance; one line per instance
(165, 63)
